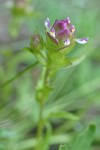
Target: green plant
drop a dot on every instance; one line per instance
(71, 94)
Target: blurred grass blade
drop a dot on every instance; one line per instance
(84, 140)
(63, 115)
(18, 75)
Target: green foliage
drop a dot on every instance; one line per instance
(83, 141)
(72, 95)
(63, 147)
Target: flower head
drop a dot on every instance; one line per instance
(63, 32)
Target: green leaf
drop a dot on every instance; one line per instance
(63, 147)
(76, 60)
(63, 115)
(84, 140)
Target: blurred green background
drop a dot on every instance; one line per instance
(76, 89)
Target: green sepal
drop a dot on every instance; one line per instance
(51, 46)
(67, 49)
(58, 60)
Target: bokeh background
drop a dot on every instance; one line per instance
(76, 89)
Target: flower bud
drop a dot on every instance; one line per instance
(37, 42)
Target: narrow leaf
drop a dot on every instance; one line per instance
(84, 140)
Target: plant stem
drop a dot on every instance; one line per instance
(40, 125)
(18, 75)
(43, 82)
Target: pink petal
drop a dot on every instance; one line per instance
(47, 23)
(82, 40)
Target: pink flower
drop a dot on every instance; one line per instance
(63, 31)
